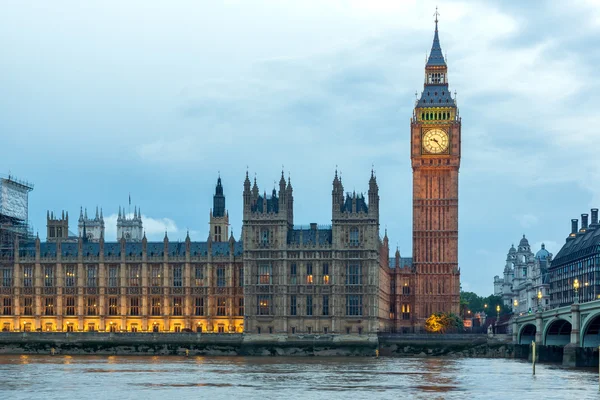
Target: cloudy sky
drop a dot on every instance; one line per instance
(100, 99)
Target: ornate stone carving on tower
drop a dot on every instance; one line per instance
(93, 227)
(131, 229)
(435, 156)
(57, 227)
(219, 216)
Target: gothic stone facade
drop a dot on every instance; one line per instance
(314, 279)
(126, 285)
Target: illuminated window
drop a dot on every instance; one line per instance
(134, 276)
(199, 306)
(134, 328)
(70, 327)
(28, 276)
(221, 306)
(177, 306)
(156, 306)
(405, 311)
(91, 327)
(113, 308)
(326, 273)
(177, 328)
(265, 274)
(28, 306)
(70, 276)
(309, 274)
(220, 276)
(177, 276)
(221, 328)
(70, 305)
(264, 305)
(91, 306)
(48, 276)
(49, 306)
(354, 304)
(293, 305)
(325, 304)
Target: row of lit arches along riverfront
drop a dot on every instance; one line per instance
(574, 329)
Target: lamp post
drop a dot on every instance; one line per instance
(576, 290)
(497, 313)
(516, 304)
(539, 296)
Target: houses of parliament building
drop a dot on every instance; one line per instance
(277, 277)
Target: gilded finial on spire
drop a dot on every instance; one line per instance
(436, 15)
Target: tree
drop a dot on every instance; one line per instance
(472, 302)
(443, 322)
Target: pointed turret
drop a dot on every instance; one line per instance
(84, 235)
(97, 214)
(436, 58)
(81, 214)
(218, 200)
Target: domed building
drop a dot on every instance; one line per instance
(525, 274)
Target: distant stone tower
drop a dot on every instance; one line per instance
(130, 228)
(219, 216)
(94, 227)
(57, 228)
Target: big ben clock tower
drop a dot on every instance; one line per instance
(435, 156)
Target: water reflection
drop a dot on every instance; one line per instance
(280, 377)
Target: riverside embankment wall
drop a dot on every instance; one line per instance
(249, 344)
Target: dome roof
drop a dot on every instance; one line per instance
(542, 254)
(524, 242)
(512, 249)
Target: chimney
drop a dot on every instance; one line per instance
(584, 222)
(313, 226)
(594, 216)
(574, 226)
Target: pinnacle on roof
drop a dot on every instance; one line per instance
(436, 58)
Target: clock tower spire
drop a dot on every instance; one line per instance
(435, 158)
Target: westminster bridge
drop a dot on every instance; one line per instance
(575, 327)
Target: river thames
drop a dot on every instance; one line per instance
(128, 377)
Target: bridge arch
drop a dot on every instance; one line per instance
(527, 333)
(590, 331)
(557, 332)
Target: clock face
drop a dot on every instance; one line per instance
(435, 141)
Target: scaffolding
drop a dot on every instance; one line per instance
(14, 217)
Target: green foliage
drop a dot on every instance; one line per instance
(470, 301)
(444, 322)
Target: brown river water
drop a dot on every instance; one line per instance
(145, 377)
